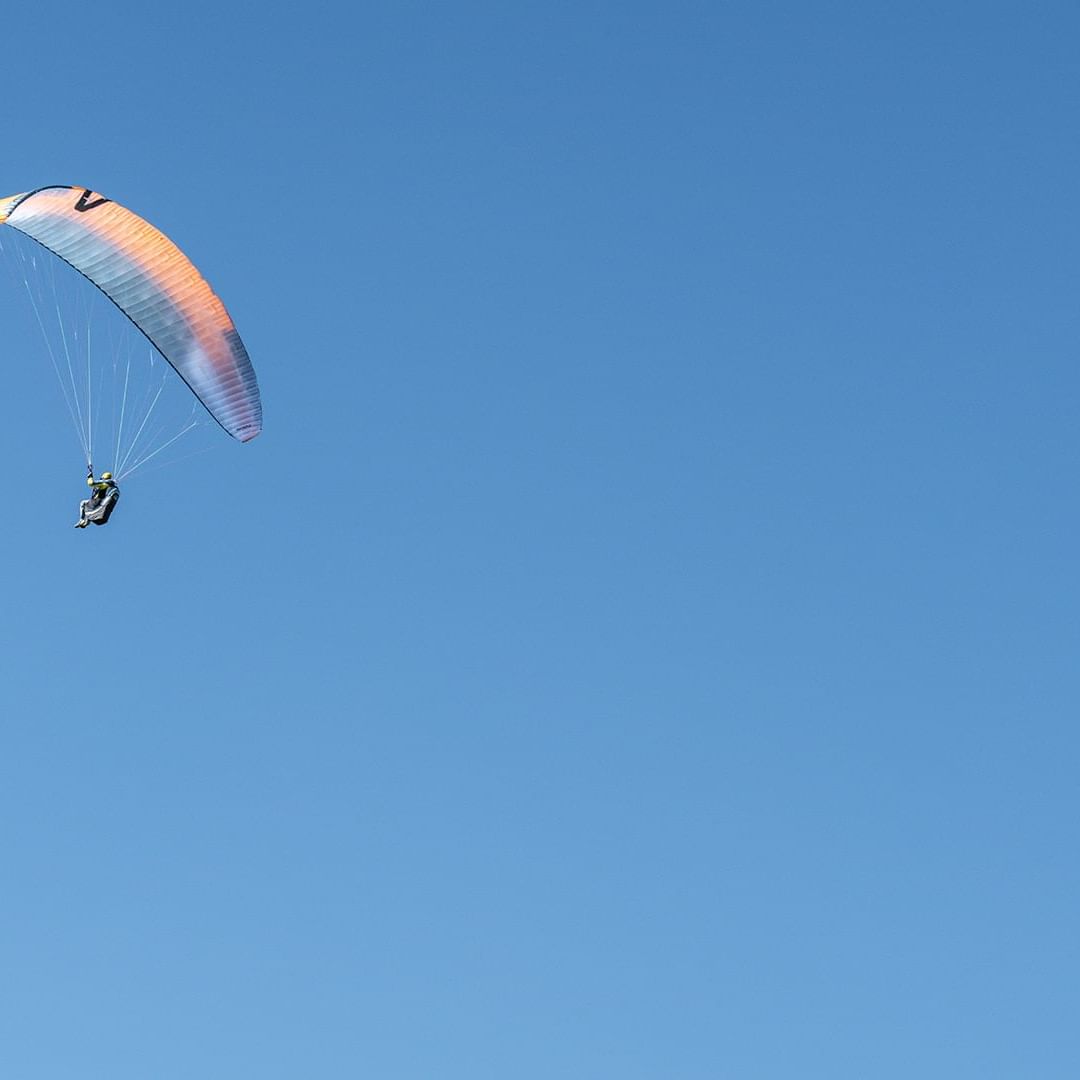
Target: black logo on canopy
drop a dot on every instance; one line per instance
(84, 202)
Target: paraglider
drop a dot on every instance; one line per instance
(159, 290)
(103, 496)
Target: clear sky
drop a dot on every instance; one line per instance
(643, 642)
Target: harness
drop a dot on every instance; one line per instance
(101, 490)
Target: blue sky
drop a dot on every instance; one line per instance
(643, 641)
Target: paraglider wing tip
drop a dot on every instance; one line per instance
(9, 204)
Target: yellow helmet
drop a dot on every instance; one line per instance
(106, 476)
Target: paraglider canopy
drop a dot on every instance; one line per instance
(156, 286)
